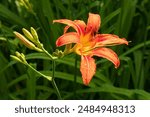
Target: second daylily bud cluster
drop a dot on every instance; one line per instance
(20, 57)
(30, 39)
(58, 53)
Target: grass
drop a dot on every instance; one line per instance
(126, 18)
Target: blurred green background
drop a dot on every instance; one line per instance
(126, 18)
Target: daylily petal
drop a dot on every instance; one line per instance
(109, 40)
(108, 54)
(93, 23)
(68, 38)
(87, 68)
(66, 28)
(80, 23)
(69, 23)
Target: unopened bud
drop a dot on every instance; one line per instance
(23, 58)
(34, 33)
(20, 57)
(15, 58)
(26, 42)
(58, 53)
(18, 54)
(28, 35)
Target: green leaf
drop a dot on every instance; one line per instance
(126, 16)
(140, 94)
(11, 17)
(109, 17)
(31, 83)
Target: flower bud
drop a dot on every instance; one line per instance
(28, 35)
(26, 42)
(18, 54)
(23, 58)
(15, 58)
(19, 57)
(34, 33)
(58, 53)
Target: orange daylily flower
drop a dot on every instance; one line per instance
(89, 44)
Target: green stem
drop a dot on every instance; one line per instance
(47, 77)
(49, 55)
(53, 81)
(75, 76)
(135, 48)
(53, 68)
